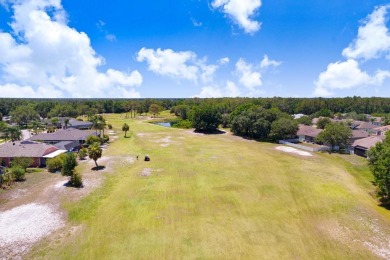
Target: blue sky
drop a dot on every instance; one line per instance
(214, 48)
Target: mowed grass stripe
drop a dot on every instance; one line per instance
(215, 197)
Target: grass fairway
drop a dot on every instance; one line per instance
(223, 197)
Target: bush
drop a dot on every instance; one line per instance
(83, 153)
(18, 173)
(76, 179)
(22, 162)
(55, 164)
(186, 124)
(109, 126)
(92, 139)
(69, 164)
(106, 138)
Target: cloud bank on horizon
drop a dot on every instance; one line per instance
(43, 56)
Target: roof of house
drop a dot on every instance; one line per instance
(358, 134)
(70, 134)
(25, 149)
(66, 145)
(382, 128)
(308, 131)
(76, 123)
(366, 125)
(368, 142)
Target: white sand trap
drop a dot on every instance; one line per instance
(23, 226)
(288, 149)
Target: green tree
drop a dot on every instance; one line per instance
(83, 153)
(305, 120)
(125, 128)
(92, 139)
(379, 162)
(13, 132)
(323, 122)
(69, 164)
(95, 152)
(22, 115)
(155, 109)
(284, 128)
(206, 118)
(335, 134)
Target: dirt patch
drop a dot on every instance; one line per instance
(23, 226)
(146, 172)
(293, 150)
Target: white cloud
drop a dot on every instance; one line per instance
(373, 37)
(248, 76)
(240, 12)
(346, 75)
(230, 90)
(196, 23)
(102, 27)
(373, 42)
(51, 59)
(224, 61)
(177, 65)
(266, 62)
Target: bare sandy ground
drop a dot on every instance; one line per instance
(288, 149)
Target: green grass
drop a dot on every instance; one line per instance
(221, 197)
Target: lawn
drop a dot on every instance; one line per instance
(223, 197)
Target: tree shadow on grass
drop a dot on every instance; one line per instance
(69, 185)
(215, 132)
(98, 168)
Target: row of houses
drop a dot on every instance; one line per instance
(363, 137)
(44, 146)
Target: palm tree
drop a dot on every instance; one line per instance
(125, 128)
(95, 152)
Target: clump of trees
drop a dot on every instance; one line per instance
(379, 163)
(68, 169)
(206, 118)
(17, 171)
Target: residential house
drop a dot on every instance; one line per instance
(73, 123)
(366, 126)
(381, 130)
(69, 146)
(307, 133)
(361, 146)
(39, 152)
(62, 135)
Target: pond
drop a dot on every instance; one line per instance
(165, 124)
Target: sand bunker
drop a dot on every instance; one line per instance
(22, 227)
(293, 150)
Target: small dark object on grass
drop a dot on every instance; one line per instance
(147, 158)
(137, 157)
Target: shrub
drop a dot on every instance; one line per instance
(106, 138)
(18, 173)
(69, 164)
(22, 162)
(55, 164)
(92, 139)
(76, 179)
(83, 153)
(109, 126)
(182, 124)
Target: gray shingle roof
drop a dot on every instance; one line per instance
(25, 149)
(368, 142)
(70, 134)
(308, 131)
(66, 145)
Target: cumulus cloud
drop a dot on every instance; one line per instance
(266, 63)
(248, 75)
(224, 61)
(373, 42)
(241, 12)
(43, 57)
(177, 65)
(230, 90)
(373, 37)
